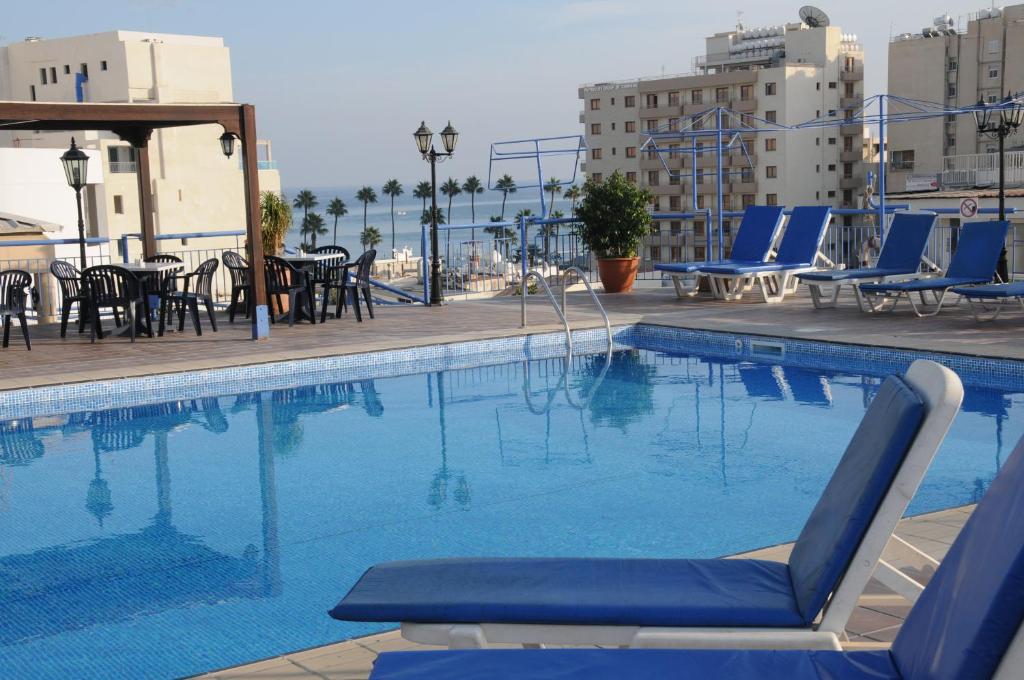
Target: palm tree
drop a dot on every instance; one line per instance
(553, 187)
(392, 188)
(275, 221)
(574, 194)
(549, 230)
(336, 208)
(370, 237)
(525, 212)
(367, 195)
(451, 189)
(305, 199)
(313, 226)
(422, 191)
(425, 217)
(472, 186)
(506, 185)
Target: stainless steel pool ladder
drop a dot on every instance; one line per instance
(561, 309)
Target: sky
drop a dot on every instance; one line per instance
(340, 86)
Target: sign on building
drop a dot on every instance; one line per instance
(923, 183)
(969, 206)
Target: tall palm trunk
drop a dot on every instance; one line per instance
(335, 230)
(504, 197)
(448, 234)
(392, 222)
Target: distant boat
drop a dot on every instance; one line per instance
(402, 213)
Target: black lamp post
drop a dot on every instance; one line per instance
(76, 167)
(425, 143)
(997, 121)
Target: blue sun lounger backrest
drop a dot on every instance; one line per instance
(965, 620)
(845, 510)
(804, 233)
(756, 233)
(904, 244)
(977, 250)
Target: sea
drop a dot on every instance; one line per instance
(407, 215)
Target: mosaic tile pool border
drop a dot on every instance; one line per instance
(872, 360)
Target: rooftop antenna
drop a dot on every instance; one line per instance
(739, 20)
(813, 17)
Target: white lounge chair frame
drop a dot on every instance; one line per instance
(887, 301)
(823, 300)
(942, 393)
(773, 286)
(989, 309)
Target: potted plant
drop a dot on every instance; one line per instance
(615, 219)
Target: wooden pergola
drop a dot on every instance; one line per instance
(134, 123)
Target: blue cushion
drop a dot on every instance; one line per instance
(919, 284)
(693, 267)
(756, 232)
(750, 268)
(859, 484)
(847, 274)
(804, 231)
(977, 250)
(651, 592)
(616, 664)
(906, 240)
(962, 624)
(996, 290)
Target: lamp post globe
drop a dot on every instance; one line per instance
(981, 115)
(76, 169)
(423, 138)
(449, 137)
(227, 144)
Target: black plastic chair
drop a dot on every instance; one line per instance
(161, 284)
(71, 293)
(110, 286)
(14, 288)
(241, 284)
(201, 283)
(284, 279)
(351, 279)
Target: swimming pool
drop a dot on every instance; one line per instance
(174, 537)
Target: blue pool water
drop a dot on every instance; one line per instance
(171, 539)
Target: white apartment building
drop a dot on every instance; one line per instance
(787, 74)
(195, 188)
(956, 65)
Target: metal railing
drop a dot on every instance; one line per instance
(982, 169)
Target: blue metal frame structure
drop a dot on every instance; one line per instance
(535, 149)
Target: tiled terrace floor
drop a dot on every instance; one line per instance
(871, 625)
(74, 359)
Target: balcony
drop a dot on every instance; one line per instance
(852, 75)
(850, 182)
(742, 187)
(745, 105)
(663, 111)
(982, 169)
(122, 166)
(854, 129)
(854, 102)
(651, 164)
(851, 156)
(583, 116)
(690, 109)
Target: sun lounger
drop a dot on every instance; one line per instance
(974, 262)
(807, 387)
(799, 251)
(967, 625)
(900, 259)
(752, 244)
(680, 602)
(988, 301)
(762, 381)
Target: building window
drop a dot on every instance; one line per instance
(631, 177)
(651, 101)
(746, 175)
(832, 83)
(673, 99)
(903, 160)
(597, 177)
(848, 196)
(32, 92)
(771, 171)
(673, 125)
(817, 141)
(817, 86)
(674, 203)
(748, 200)
(700, 177)
(831, 141)
(848, 143)
(771, 199)
(770, 88)
(721, 95)
(831, 167)
(770, 116)
(951, 90)
(103, 65)
(655, 252)
(952, 65)
(595, 154)
(697, 123)
(848, 90)
(769, 143)
(698, 225)
(993, 71)
(696, 96)
(595, 128)
(84, 70)
(993, 46)
(629, 101)
(53, 74)
(613, 130)
(653, 178)
(630, 152)
(613, 101)
(698, 252)
(700, 206)
(42, 76)
(746, 92)
(613, 150)
(847, 170)
(595, 104)
(673, 179)
(630, 126)
(67, 69)
(677, 252)
(831, 194)
(118, 204)
(673, 151)
(950, 140)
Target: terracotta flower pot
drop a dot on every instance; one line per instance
(617, 273)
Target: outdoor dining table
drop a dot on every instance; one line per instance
(307, 263)
(145, 270)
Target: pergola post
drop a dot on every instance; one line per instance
(253, 222)
(145, 197)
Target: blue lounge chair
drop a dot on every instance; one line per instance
(681, 602)
(988, 301)
(974, 262)
(799, 251)
(900, 259)
(967, 625)
(753, 244)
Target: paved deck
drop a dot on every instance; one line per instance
(74, 359)
(870, 626)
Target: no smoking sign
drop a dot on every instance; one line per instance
(969, 206)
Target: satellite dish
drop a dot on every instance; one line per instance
(813, 17)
